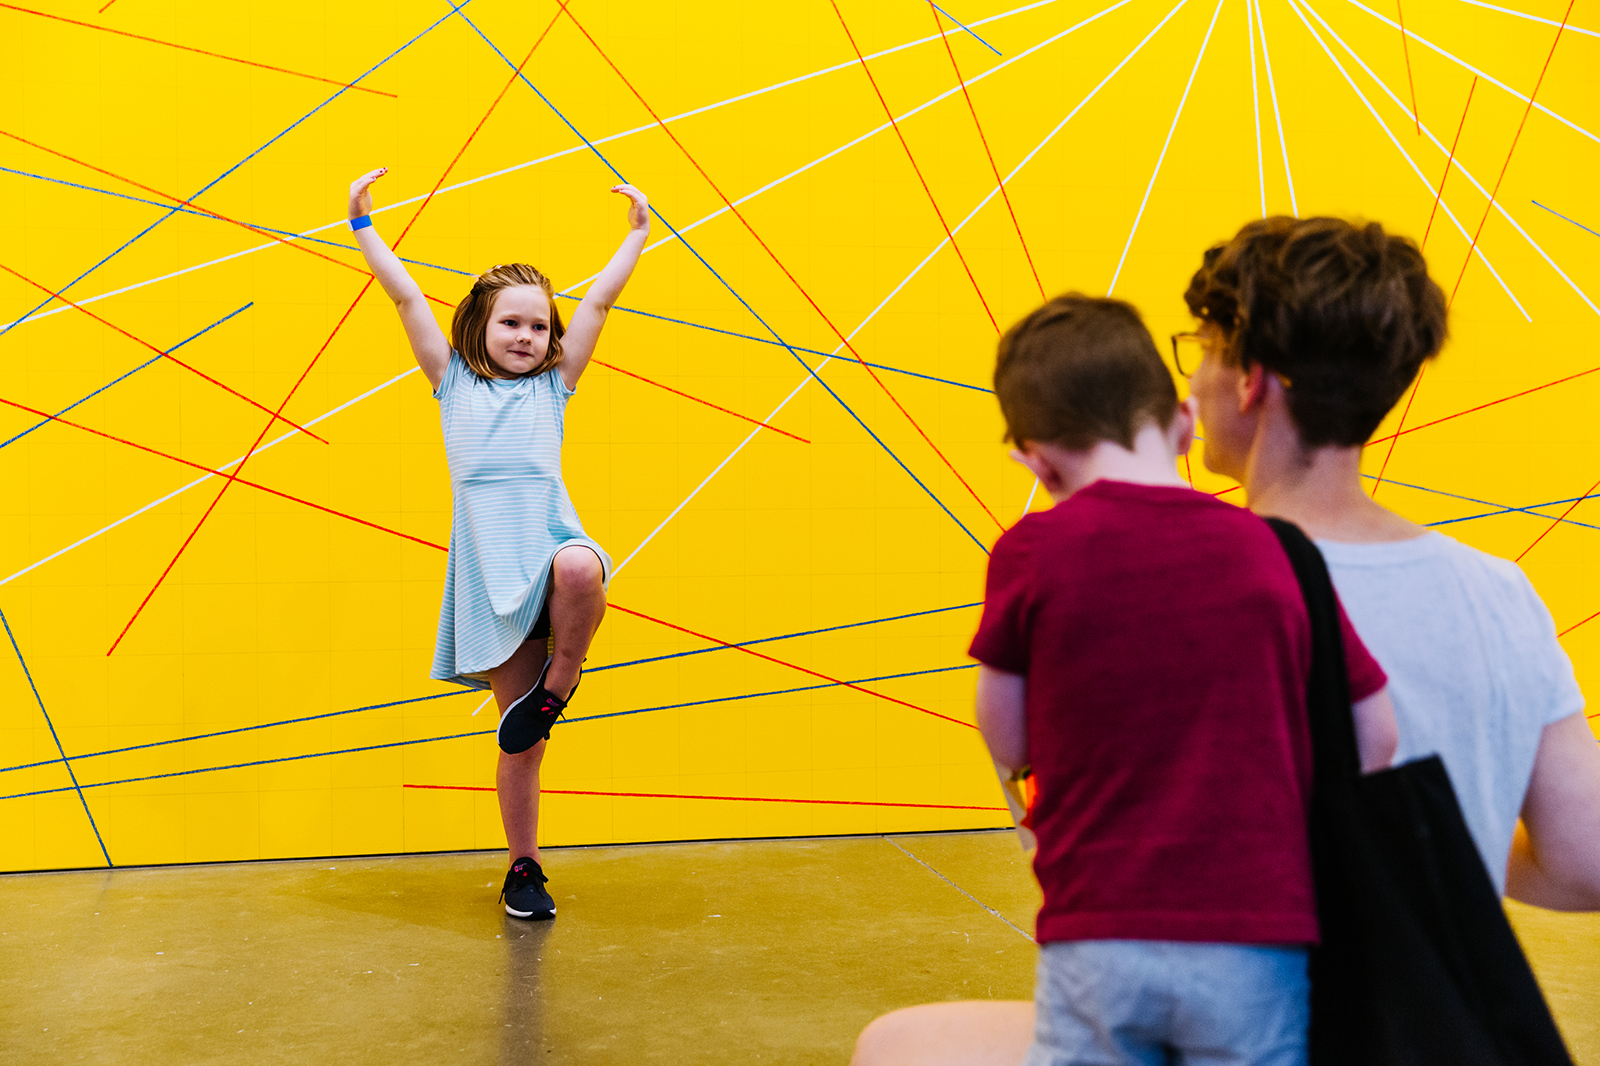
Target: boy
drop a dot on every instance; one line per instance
(1145, 648)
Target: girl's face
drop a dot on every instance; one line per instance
(519, 329)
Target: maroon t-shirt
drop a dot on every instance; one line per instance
(1166, 648)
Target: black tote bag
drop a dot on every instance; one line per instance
(1418, 964)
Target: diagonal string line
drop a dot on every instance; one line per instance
(1255, 102)
(964, 26)
(678, 235)
(792, 666)
(454, 8)
(287, 242)
(1449, 159)
(912, 159)
(124, 377)
(233, 474)
(1557, 521)
(1510, 151)
(1277, 115)
(1164, 146)
(73, 774)
(168, 354)
(779, 263)
(993, 167)
(1405, 47)
(200, 51)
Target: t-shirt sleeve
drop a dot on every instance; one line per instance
(1002, 640)
(1366, 676)
(1545, 661)
(453, 370)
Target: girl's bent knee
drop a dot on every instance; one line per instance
(577, 567)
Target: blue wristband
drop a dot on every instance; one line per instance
(360, 223)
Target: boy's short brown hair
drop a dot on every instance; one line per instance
(1346, 313)
(1080, 370)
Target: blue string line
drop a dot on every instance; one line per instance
(1533, 510)
(1505, 508)
(454, 736)
(203, 214)
(129, 374)
(240, 729)
(57, 738)
(782, 636)
(454, 8)
(1558, 214)
(969, 29)
(469, 274)
(443, 695)
(684, 241)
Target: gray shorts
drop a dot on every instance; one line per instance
(1161, 1003)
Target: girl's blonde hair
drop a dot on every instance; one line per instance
(471, 322)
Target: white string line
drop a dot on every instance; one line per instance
(482, 705)
(1272, 88)
(569, 289)
(1468, 66)
(1027, 507)
(1426, 184)
(1255, 101)
(1458, 166)
(907, 279)
(1531, 18)
(557, 155)
(1164, 146)
(217, 472)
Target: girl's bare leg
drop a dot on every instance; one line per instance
(516, 778)
(577, 602)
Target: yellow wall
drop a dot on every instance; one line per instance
(278, 611)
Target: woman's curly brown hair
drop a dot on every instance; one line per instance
(1346, 313)
(470, 326)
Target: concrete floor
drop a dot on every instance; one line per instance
(691, 953)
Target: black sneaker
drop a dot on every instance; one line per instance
(528, 720)
(524, 894)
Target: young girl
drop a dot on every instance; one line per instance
(520, 566)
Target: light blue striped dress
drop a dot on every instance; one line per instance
(510, 514)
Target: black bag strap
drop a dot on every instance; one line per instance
(1335, 754)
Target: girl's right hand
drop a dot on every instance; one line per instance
(361, 192)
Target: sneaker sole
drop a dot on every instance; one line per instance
(537, 916)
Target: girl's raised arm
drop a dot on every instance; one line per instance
(428, 343)
(583, 332)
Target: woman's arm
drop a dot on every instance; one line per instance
(427, 339)
(1377, 731)
(1555, 856)
(583, 332)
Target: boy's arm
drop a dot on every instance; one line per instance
(428, 344)
(1001, 718)
(1377, 731)
(583, 332)
(1555, 855)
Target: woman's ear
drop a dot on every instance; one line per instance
(1253, 389)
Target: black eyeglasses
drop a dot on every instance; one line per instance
(1187, 351)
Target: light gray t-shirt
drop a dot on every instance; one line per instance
(1474, 668)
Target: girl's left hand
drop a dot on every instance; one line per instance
(638, 206)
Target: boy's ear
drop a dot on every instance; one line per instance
(1031, 457)
(1181, 432)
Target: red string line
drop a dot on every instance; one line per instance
(1451, 159)
(1394, 438)
(951, 237)
(845, 341)
(736, 799)
(158, 351)
(233, 475)
(1406, 48)
(1525, 113)
(696, 399)
(792, 666)
(180, 201)
(187, 48)
(212, 470)
(1482, 406)
(999, 181)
